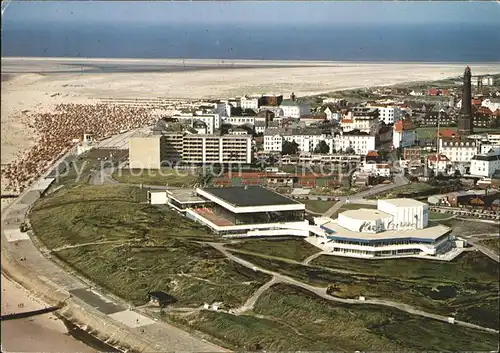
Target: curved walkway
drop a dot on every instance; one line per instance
(111, 317)
(322, 292)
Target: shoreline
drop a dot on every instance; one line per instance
(216, 61)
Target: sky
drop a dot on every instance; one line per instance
(252, 12)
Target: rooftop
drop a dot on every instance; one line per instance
(366, 214)
(185, 195)
(244, 196)
(401, 202)
(429, 233)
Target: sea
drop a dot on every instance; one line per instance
(446, 42)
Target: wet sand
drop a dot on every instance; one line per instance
(42, 333)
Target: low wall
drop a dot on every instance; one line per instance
(30, 313)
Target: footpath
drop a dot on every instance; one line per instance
(104, 316)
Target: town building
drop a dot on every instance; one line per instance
(493, 104)
(307, 139)
(270, 100)
(404, 134)
(458, 151)
(397, 228)
(432, 118)
(293, 109)
(412, 154)
(249, 211)
(362, 119)
(388, 114)
(147, 152)
(249, 103)
(438, 165)
(485, 165)
(488, 147)
(482, 80)
(239, 120)
(493, 137)
(359, 142)
(212, 121)
(203, 149)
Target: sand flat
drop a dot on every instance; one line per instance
(38, 84)
(42, 333)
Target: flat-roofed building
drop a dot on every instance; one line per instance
(250, 211)
(202, 149)
(398, 227)
(147, 152)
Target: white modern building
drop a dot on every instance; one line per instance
(387, 113)
(293, 109)
(249, 211)
(398, 227)
(202, 149)
(485, 164)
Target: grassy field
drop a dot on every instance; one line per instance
(131, 248)
(438, 215)
(293, 249)
(466, 227)
(430, 132)
(413, 187)
(493, 244)
(317, 205)
(287, 318)
(468, 287)
(80, 170)
(163, 176)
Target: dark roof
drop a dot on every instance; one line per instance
(243, 196)
(486, 158)
(162, 296)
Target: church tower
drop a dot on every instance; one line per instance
(465, 120)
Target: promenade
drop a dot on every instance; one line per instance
(112, 319)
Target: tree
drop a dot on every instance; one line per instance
(289, 147)
(322, 148)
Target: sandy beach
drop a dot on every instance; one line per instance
(42, 333)
(38, 84)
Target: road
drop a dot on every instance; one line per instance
(399, 180)
(105, 313)
(321, 292)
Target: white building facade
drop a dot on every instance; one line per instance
(458, 151)
(397, 228)
(388, 114)
(485, 164)
(293, 109)
(249, 103)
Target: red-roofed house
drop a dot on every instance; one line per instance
(403, 134)
(433, 92)
(440, 164)
(448, 134)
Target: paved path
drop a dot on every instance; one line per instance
(312, 257)
(485, 250)
(250, 303)
(23, 262)
(322, 292)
